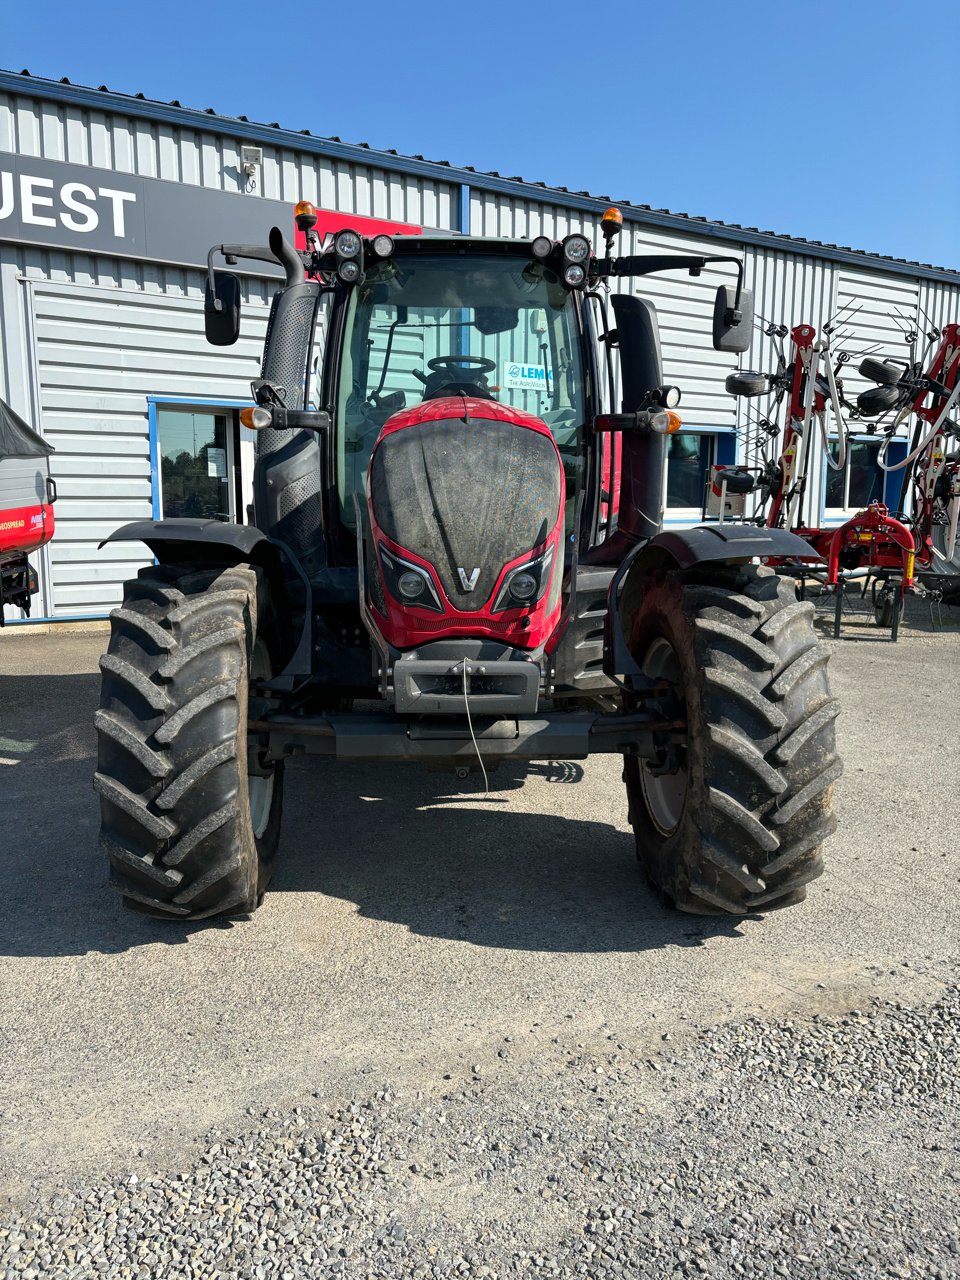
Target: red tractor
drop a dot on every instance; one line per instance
(27, 495)
(432, 540)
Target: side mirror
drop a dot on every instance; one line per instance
(221, 310)
(732, 327)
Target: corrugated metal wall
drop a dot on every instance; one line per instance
(100, 354)
(939, 304)
(105, 140)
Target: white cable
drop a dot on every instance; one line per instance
(928, 439)
(951, 542)
(841, 424)
(476, 747)
(924, 443)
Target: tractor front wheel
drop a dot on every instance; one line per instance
(190, 813)
(732, 821)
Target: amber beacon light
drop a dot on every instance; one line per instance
(305, 215)
(611, 224)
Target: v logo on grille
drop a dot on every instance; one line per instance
(468, 582)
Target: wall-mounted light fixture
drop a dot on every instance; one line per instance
(251, 160)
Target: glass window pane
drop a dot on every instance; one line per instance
(689, 458)
(866, 478)
(834, 488)
(194, 476)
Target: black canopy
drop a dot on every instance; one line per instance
(17, 440)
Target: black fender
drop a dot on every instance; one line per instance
(682, 549)
(215, 542)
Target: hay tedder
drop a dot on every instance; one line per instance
(434, 572)
(909, 549)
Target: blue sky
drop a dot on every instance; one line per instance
(834, 121)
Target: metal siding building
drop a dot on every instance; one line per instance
(98, 347)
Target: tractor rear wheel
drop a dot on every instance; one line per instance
(733, 822)
(190, 815)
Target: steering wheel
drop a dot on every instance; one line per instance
(457, 376)
(481, 363)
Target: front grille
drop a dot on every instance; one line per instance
(441, 624)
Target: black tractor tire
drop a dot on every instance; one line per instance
(882, 372)
(877, 400)
(189, 831)
(747, 384)
(739, 827)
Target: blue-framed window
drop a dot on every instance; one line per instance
(195, 457)
(690, 455)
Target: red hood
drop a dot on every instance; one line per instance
(463, 407)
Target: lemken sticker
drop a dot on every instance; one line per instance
(525, 377)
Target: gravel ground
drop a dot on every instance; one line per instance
(819, 1147)
(462, 1034)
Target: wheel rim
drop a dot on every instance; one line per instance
(261, 801)
(665, 795)
(259, 788)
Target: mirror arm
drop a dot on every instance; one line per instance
(211, 284)
(647, 263)
(733, 314)
(293, 263)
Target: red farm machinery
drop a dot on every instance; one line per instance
(433, 572)
(27, 495)
(910, 548)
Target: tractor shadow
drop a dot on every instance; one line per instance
(55, 900)
(501, 871)
(527, 867)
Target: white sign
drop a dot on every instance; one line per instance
(525, 377)
(217, 464)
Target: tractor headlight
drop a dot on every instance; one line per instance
(668, 397)
(408, 583)
(382, 246)
(523, 586)
(411, 585)
(349, 270)
(576, 248)
(347, 244)
(542, 247)
(526, 584)
(574, 275)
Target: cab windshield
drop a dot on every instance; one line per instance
(502, 328)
